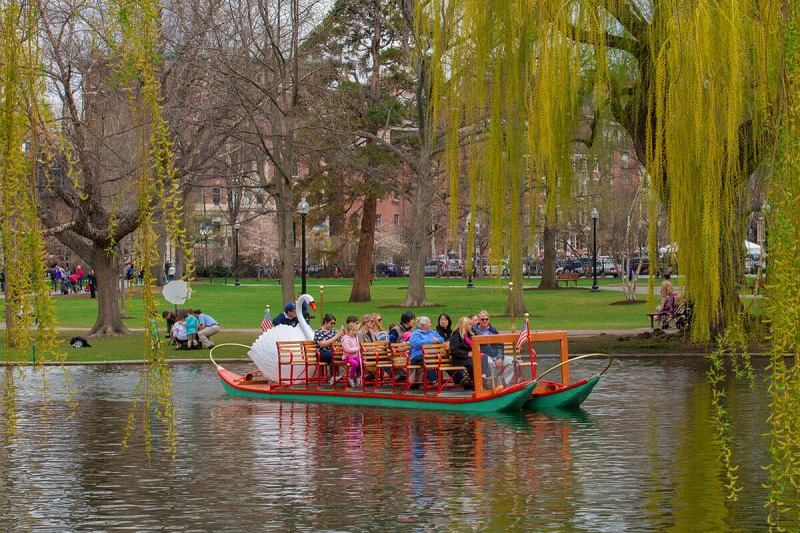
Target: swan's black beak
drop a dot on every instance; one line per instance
(313, 305)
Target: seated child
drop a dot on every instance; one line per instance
(179, 335)
(352, 353)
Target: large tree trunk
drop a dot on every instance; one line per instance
(109, 320)
(366, 243)
(419, 232)
(549, 266)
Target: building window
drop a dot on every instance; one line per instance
(378, 222)
(396, 220)
(624, 160)
(216, 195)
(396, 198)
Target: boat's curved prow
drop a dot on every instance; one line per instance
(559, 396)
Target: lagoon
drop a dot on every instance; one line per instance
(639, 456)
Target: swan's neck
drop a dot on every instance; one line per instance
(305, 327)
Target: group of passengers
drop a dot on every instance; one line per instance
(459, 341)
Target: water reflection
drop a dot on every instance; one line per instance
(638, 457)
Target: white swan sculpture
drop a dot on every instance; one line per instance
(264, 351)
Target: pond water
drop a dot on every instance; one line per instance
(639, 456)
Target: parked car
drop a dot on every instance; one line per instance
(386, 270)
(452, 268)
(433, 267)
(572, 265)
(606, 266)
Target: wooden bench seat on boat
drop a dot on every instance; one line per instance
(525, 358)
(437, 358)
(376, 356)
(301, 358)
(402, 369)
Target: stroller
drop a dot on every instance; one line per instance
(674, 309)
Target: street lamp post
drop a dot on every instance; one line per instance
(236, 227)
(469, 274)
(595, 288)
(303, 209)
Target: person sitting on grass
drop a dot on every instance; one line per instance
(179, 336)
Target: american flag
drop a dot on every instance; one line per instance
(267, 322)
(524, 336)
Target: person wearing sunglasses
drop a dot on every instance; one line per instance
(325, 337)
(377, 328)
(365, 333)
(496, 361)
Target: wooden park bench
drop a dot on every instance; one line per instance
(567, 277)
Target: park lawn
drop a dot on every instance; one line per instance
(243, 307)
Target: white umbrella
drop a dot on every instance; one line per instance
(753, 248)
(669, 249)
(176, 292)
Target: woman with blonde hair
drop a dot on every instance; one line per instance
(461, 348)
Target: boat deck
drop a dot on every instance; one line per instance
(264, 385)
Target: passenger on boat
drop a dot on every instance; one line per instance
(461, 347)
(402, 331)
(497, 360)
(325, 337)
(365, 333)
(475, 321)
(444, 326)
(377, 328)
(352, 353)
(288, 317)
(423, 335)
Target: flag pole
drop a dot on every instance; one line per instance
(531, 352)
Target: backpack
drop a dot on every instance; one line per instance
(79, 342)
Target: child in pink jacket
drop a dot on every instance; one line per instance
(352, 352)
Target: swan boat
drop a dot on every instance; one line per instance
(270, 381)
(532, 393)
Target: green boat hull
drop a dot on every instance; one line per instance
(569, 397)
(511, 399)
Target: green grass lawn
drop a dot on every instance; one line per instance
(243, 307)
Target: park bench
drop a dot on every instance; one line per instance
(567, 277)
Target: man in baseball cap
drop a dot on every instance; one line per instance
(288, 317)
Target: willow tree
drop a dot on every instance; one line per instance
(690, 83)
(86, 52)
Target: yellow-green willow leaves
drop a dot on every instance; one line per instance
(137, 56)
(30, 319)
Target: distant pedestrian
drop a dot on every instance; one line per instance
(92, 280)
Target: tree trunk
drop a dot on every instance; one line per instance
(286, 246)
(516, 303)
(109, 319)
(549, 265)
(362, 276)
(419, 232)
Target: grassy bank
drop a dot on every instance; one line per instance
(239, 311)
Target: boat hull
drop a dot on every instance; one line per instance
(511, 399)
(565, 397)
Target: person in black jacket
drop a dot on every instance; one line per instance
(444, 326)
(461, 348)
